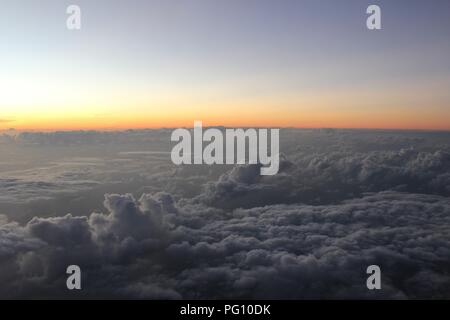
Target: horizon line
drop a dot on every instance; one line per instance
(218, 126)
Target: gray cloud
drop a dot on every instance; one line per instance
(341, 202)
(154, 248)
(332, 177)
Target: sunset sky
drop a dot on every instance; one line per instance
(138, 64)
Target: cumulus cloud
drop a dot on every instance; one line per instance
(156, 248)
(332, 177)
(341, 201)
(39, 251)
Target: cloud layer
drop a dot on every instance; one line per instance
(155, 248)
(341, 202)
(332, 177)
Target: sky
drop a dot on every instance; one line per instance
(290, 63)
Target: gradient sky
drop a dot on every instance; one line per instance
(226, 62)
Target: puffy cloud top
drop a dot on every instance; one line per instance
(152, 248)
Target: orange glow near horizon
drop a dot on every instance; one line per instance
(332, 109)
(296, 120)
(86, 103)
